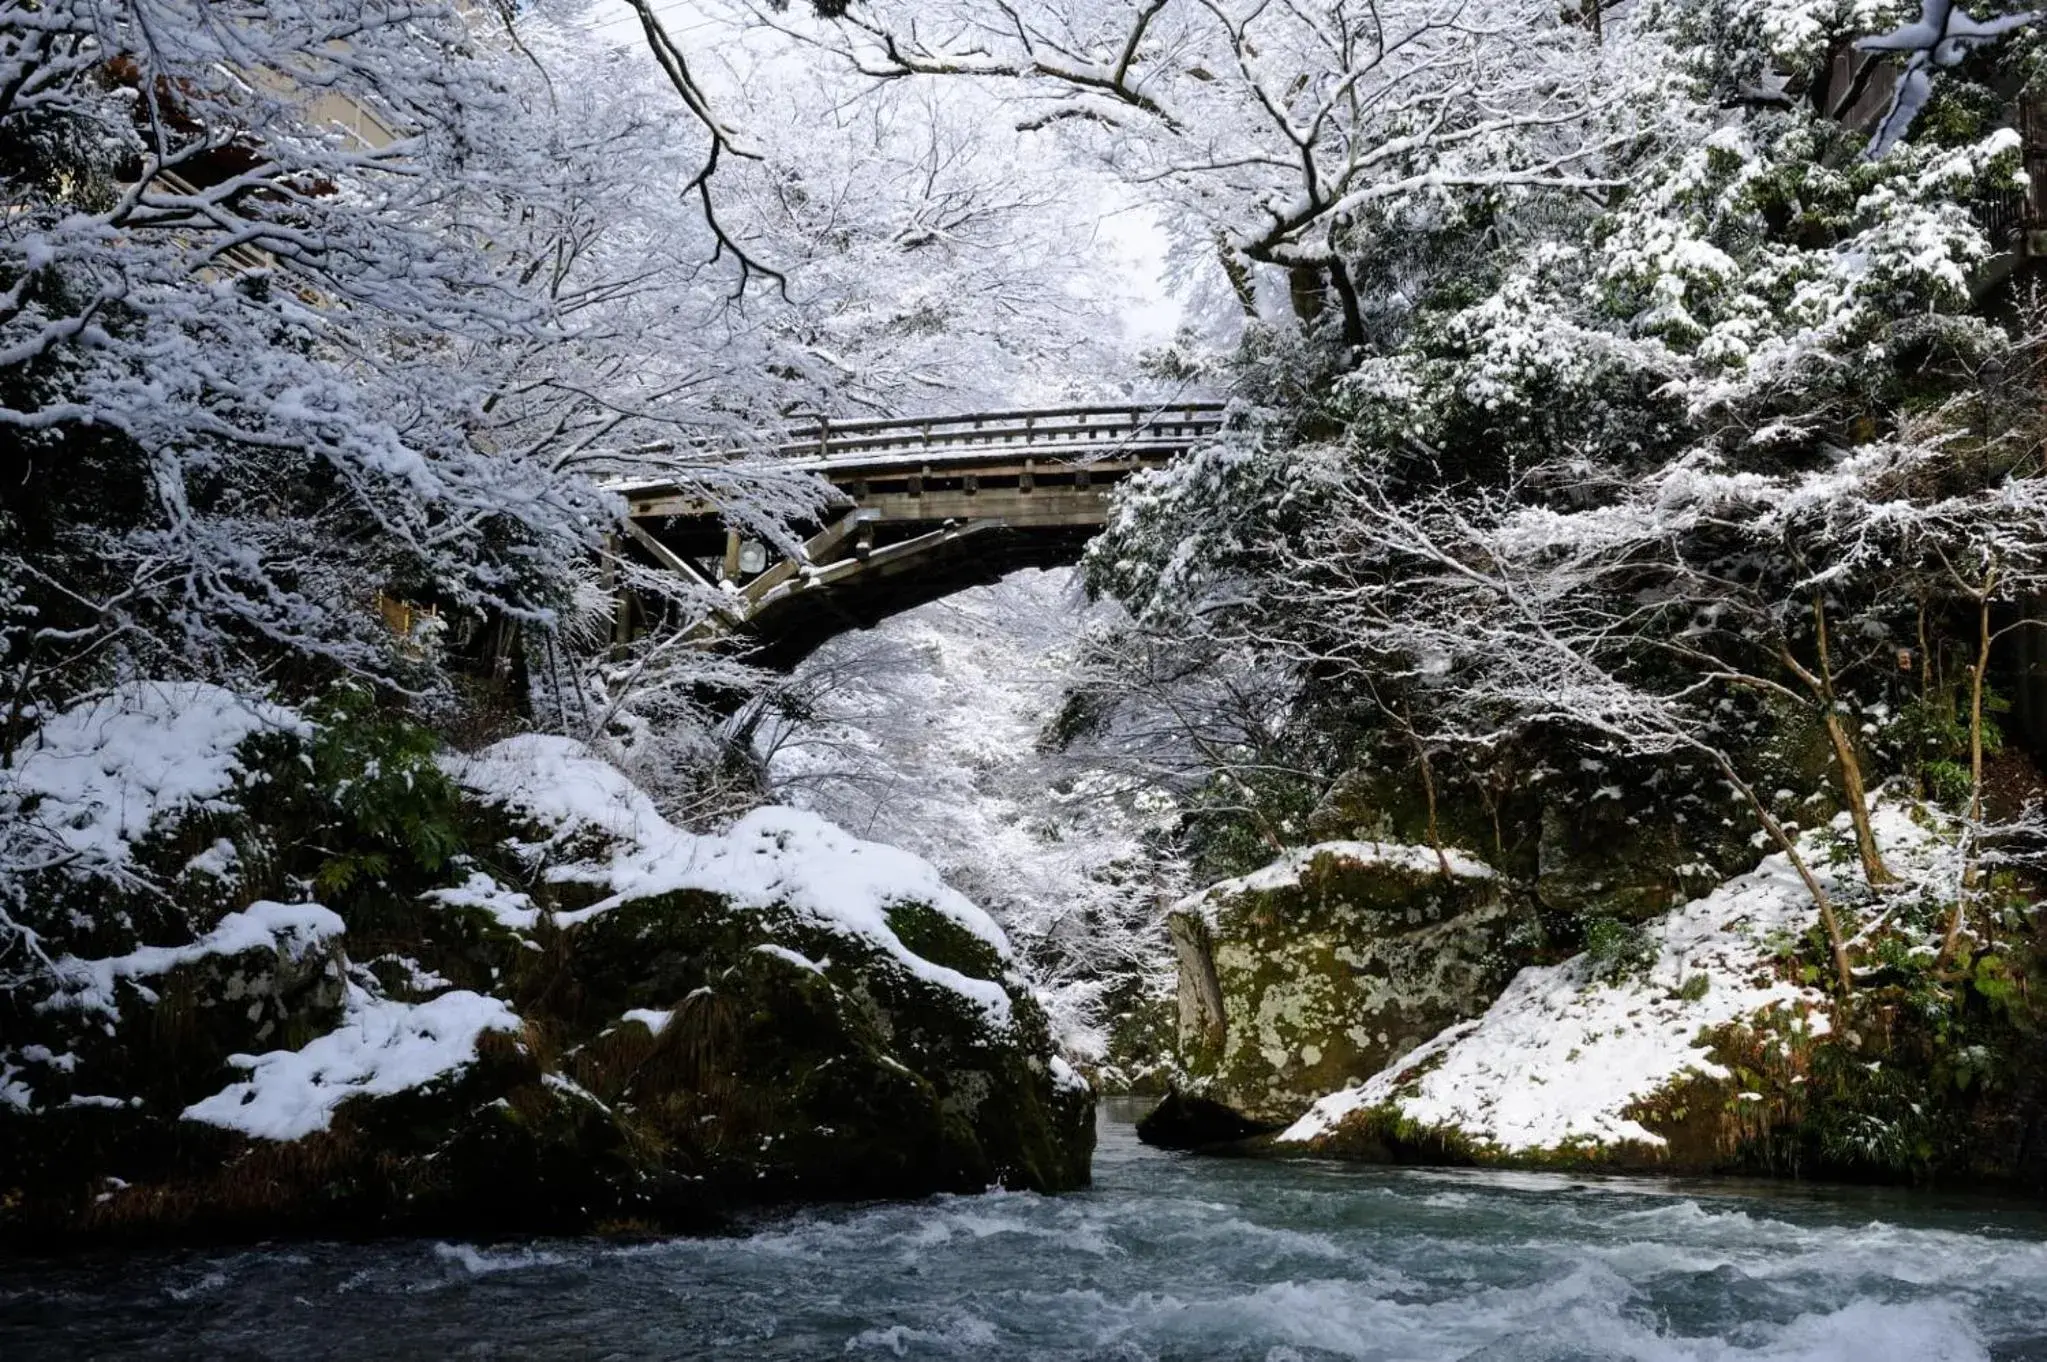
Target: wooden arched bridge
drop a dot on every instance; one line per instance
(930, 506)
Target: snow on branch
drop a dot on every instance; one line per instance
(1941, 37)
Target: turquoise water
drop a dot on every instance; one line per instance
(1168, 1257)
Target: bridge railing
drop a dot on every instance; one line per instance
(825, 444)
(1079, 430)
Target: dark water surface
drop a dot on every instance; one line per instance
(1168, 1257)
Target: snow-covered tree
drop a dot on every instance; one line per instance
(1943, 36)
(231, 313)
(1566, 493)
(937, 260)
(1277, 135)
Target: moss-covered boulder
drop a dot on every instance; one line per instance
(1331, 963)
(523, 1002)
(793, 1059)
(1384, 799)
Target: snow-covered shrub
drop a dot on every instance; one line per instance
(1618, 951)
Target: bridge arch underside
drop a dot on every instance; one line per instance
(871, 563)
(790, 631)
(927, 508)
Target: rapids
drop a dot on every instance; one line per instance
(1168, 1257)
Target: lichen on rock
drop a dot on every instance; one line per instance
(1331, 963)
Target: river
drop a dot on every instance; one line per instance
(1168, 1257)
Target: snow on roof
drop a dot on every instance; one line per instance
(1286, 872)
(772, 856)
(380, 1048)
(1560, 1056)
(106, 770)
(295, 928)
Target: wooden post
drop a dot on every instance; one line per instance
(728, 571)
(2033, 148)
(621, 599)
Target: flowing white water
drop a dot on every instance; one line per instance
(1168, 1257)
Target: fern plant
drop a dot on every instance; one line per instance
(389, 805)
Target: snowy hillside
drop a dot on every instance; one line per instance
(1564, 1054)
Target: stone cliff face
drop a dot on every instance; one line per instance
(1331, 963)
(541, 1008)
(1339, 959)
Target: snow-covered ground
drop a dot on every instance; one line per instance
(1561, 1056)
(103, 772)
(292, 929)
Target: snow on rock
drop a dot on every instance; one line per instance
(218, 860)
(103, 772)
(772, 856)
(1560, 1056)
(13, 1092)
(381, 1048)
(1066, 1077)
(802, 962)
(292, 928)
(511, 908)
(654, 1019)
(1286, 872)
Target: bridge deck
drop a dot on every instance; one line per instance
(843, 451)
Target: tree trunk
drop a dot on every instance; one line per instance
(1972, 837)
(1836, 944)
(1857, 796)
(1309, 289)
(1238, 274)
(1435, 833)
(1347, 295)
(1853, 791)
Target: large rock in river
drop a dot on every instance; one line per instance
(1329, 964)
(524, 1001)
